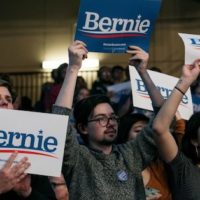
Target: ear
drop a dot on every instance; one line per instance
(194, 142)
(83, 129)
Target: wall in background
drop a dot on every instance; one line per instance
(32, 31)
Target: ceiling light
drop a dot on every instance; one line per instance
(89, 64)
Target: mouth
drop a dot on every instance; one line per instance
(3, 106)
(110, 132)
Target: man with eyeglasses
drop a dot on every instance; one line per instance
(104, 120)
(100, 170)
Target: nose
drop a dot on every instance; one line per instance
(3, 103)
(111, 122)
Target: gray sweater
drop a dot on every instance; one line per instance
(92, 175)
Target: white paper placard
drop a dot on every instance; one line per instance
(38, 136)
(165, 83)
(119, 91)
(192, 47)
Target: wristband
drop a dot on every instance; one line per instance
(179, 90)
(56, 184)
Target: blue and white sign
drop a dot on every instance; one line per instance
(165, 85)
(196, 103)
(111, 26)
(38, 136)
(120, 92)
(192, 47)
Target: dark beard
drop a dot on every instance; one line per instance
(107, 142)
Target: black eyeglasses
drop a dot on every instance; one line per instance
(104, 120)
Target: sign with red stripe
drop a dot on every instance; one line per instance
(111, 26)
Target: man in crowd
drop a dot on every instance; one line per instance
(100, 169)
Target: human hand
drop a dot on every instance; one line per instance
(77, 52)
(139, 58)
(23, 187)
(11, 174)
(191, 72)
(59, 187)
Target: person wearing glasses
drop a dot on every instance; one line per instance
(100, 169)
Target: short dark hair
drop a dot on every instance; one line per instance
(101, 70)
(126, 122)
(84, 108)
(10, 89)
(59, 76)
(117, 68)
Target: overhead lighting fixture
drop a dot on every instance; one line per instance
(89, 64)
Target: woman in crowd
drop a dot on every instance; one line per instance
(155, 175)
(184, 165)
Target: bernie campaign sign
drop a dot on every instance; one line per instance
(165, 85)
(38, 136)
(192, 47)
(111, 26)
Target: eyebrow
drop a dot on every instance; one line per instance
(103, 115)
